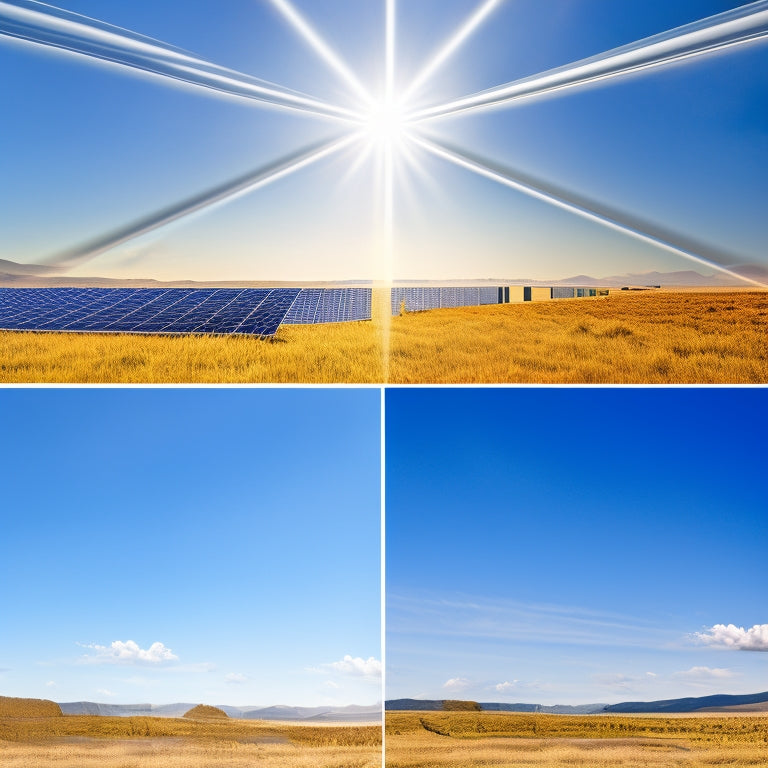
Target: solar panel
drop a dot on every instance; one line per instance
(330, 305)
(252, 311)
(419, 299)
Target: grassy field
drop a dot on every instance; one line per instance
(504, 740)
(146, 742)
(646, 337)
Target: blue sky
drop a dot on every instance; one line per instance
(575, 545)
(236, 529)
(90, 147)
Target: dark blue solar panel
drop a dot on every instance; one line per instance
(146, 310)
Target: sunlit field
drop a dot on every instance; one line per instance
(645, 337)
(144, 742)
(476, 740)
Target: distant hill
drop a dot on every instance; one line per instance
(442, 705)
(124, 710)
(753, 702)
(20, 275)
(12, 707)
(690, 704)
(204, 712)
(351, 713)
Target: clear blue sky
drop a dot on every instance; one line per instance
(89, 147)
(567, 545)
(237, 528)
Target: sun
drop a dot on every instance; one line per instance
(386, 122)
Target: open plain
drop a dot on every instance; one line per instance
(644, 337)
(509, 740)
(149, 742)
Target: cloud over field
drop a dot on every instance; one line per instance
(506, 686)
(735, 638)
(456, 684)
(357, 666)
(128, 652)
(705, 673)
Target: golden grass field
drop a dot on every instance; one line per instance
(152, 742)
(510, 740)
(647, 337)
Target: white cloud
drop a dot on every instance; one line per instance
(128, 652)
(51, 684)
(105, 692)
(506, 686)
(735, 638)
(330, 684)
(357, 667)
(705, 673)
(456, 684)
(235, 678)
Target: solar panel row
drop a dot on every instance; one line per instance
(419, 299)
(330, 305)
(257, 311)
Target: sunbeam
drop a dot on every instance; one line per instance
(451, 46)
(44, 25)
(326, 53)
(716, 33)
(205, 200)
(611, 219)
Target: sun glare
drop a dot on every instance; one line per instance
(386, 123)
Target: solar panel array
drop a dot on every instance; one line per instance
(256, 311)
(330, 305)
(419, 299)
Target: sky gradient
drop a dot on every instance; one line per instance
(93, 146)
(569, 546)
(236, 529)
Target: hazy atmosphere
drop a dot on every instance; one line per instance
(217, 546)
(568, 546)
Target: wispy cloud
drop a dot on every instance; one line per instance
(735, 638)
(508, 620)
(105, 692)
(128, 652)
(235, 678)
(506, 686)
(705, 673)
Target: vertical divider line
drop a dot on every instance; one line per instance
(383, 590)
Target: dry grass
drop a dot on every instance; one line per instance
(645, 338)
(204, 711)
(141, 742)
(463, 740)
(14, 707)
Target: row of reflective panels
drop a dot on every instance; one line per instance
(419, 299)
(254, 311)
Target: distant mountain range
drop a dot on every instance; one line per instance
(351, 713)
(15, 274)
(720, 702)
